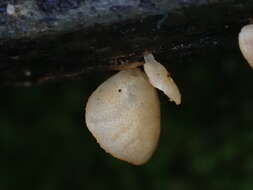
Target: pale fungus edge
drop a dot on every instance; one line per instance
(119, 158)
(160, 78)
(245, 39)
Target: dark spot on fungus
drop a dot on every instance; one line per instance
(119, 90)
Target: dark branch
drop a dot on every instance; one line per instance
(175, 35)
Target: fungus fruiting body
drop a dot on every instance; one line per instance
(246, 43)
(160, 78)
(10, 10)
(123, 114)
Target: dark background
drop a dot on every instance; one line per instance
(206, 142)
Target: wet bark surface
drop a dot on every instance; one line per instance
(79, 52)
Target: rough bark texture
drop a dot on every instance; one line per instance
(32, 53)
(32, 18)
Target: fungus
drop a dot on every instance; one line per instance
(160, 78)
(123, 114)
(246, 43)
(10, 10)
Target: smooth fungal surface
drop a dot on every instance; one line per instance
(123, 114)
(160, 78)
(246, 43)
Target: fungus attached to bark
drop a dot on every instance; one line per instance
(160, 78)
(123, 114)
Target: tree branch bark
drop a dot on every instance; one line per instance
(36, 58)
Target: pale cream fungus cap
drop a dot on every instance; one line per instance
(246, 43)
(123, 114)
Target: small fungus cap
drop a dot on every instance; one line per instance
(246, 43)
(160, 78)
(123, 114)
